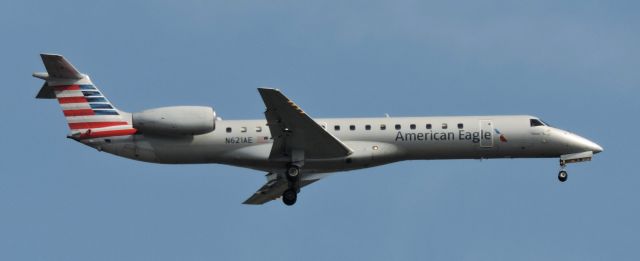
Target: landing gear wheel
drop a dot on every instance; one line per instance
(289, 197)
(562, 176)
(292, 172)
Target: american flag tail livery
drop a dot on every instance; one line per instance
(88, 112)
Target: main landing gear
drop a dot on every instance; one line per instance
(290, 196)
(292, 172)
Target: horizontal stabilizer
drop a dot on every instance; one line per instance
(59, 72)
(58, 67)
(46, 92)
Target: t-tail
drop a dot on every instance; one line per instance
(87, 111)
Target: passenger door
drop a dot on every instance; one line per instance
(486, 126)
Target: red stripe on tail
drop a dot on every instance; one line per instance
(63, 100)
(94, 125)
(111, 133)
(67, 88)
(80, 112)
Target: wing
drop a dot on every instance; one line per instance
(293, 130)
(273, 189)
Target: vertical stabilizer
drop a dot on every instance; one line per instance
(87, 111)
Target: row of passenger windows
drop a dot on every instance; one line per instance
(428, 126)
(244, 129)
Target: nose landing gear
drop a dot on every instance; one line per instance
(572, 158)
(562, 176)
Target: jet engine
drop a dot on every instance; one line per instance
(175, 120)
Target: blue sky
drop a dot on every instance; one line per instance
(573, 63)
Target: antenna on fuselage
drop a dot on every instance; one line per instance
(387, 115)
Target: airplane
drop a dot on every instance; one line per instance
(293, 148)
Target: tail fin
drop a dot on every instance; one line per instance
(88, 112)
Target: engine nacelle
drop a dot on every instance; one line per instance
(175, 120)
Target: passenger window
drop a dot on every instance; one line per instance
(337, 127)
(444, 126)
(460, 126)
(228, 129)
(535, 123)
(258, 129)
(398, 127)
(428, 126)
(412, 126)
(367, 127)
(243, 129)
(352, 127)
(383, 127)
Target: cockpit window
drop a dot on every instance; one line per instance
(545, 123)
(536, 123)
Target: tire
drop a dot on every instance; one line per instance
(562, 176)
(293, 172)
(289, 197)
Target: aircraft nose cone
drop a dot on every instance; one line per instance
(595, 147)
(586, 145)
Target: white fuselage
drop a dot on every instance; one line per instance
(291, 146)
(374, 141)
